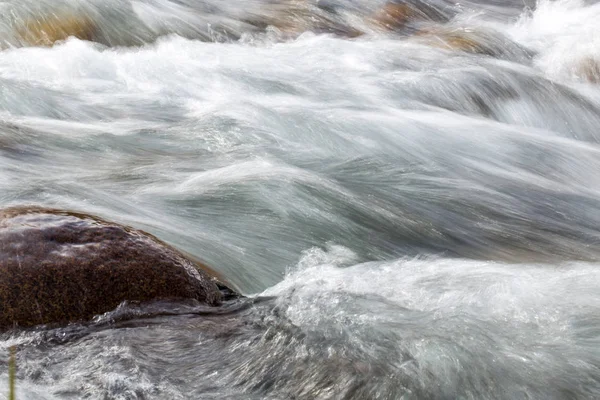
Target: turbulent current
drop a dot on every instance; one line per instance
(407, 193)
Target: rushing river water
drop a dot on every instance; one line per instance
(413, 210)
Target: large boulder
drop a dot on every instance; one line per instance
(58, 267)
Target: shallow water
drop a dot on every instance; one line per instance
(408, 219)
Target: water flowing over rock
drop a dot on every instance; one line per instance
(53, 28)
(475, 41)
(399, 15)
(128, 23)
(58, 267)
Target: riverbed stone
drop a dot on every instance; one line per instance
(475, 41)
(406, 15)
(58, 267)
(49, 29)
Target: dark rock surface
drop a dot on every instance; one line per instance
(59, 267)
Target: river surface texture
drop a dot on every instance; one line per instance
(408, 194)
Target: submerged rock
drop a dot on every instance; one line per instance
(60, 267)
(125, 24)
(407, 16)
(588, 70)
(398, 15)
(47, 30)
(393, 16)
(293, 18)
(475, 41)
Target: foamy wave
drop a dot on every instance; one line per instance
(565, 34)
(523, 293)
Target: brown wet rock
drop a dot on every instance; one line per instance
(60, 267)
(398, 16)
(474, 41)
(49, 29)
(393, 16)
(466, 40)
